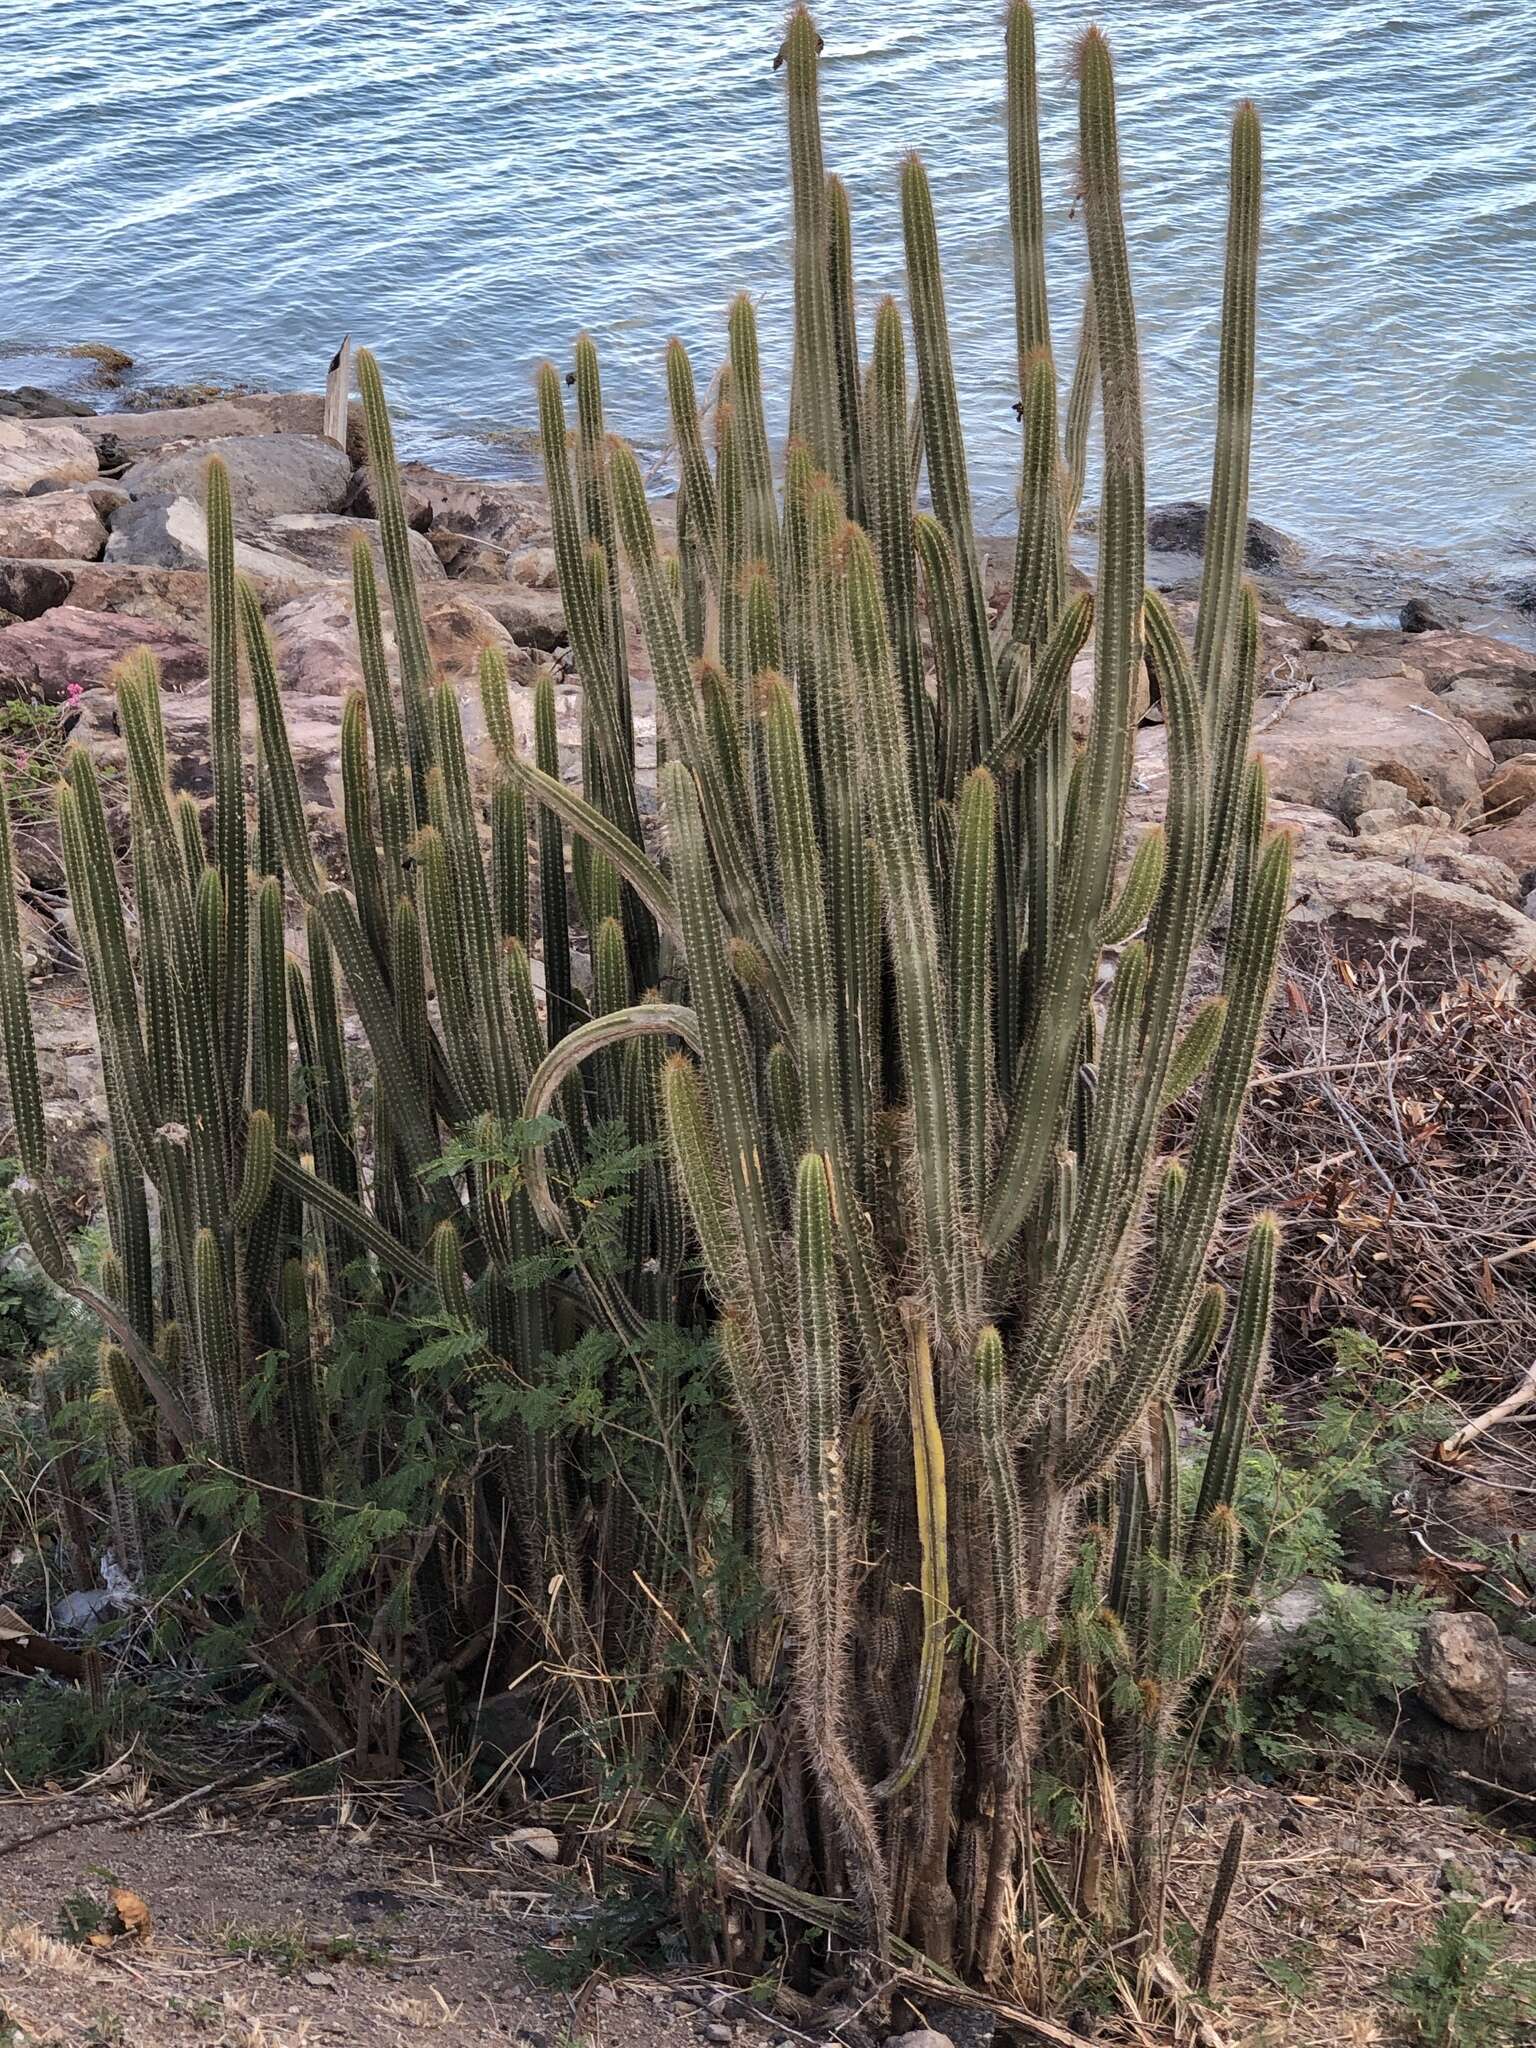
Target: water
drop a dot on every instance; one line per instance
(223, 187)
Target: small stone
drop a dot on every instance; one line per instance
(541, 1842)
(1383, 820)
(717, 2030)
(1462, 1670)
(1362, 794)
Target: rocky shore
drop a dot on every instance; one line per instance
(1404, 760)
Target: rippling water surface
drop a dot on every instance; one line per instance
(223, 187)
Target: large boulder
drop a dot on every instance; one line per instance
(1179, 529)
(1463, 1675)
(508, 515)
(123, 437)
(1511, 788)
(44, 452)
(1393, 726)
(1447, 923)
(58, 526)
(268, 473)
(323, 542)
(68, 648)
(1488, 683)
(174, 596)
(1514, 844)
(160, 532)
(532, 615)
(315, 637)
(304, 547)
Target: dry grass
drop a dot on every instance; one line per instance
(1394, 1130)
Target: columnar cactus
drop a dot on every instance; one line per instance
(977, 1118)
(926, 1024)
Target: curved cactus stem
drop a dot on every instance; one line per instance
(673, 1020)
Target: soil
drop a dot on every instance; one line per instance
(321, 1923)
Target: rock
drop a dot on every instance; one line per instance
(1448, 856)
(1514, 844)
(1419, 616)
(1508, 750)
(268, 473)
(28, 588)
(1371, 822)
(175, 596)
(323, 542)
(541, 1842)
(719, 2030)
(37, 451)
(508, 515)
(105, 496)
(1361, 792)
(1393, 725)
(1448, 922)
(1463, 1676)
(920, 2037)
(43, 657)
(1277, 1625)
(1180, 530)
(1487, 682)
(30, 402)
(162, 532)
(316, 641)
(1511, 787)
(59, 526)
(123, 437)
(1499, 1753)
(533, 617)
(314, 735)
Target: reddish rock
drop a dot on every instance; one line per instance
(43, 658)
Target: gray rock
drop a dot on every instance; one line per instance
(1419, 616)
(58, 526)
(34, 451)
(1382, 820)
(29, 588)
(124, 437)
(323, 542)
(1180, 530)
(1277, 1625)
(31, 402)
(161, 532)
(920, 2037)
(1361, 792)
(268, 473)
(1463, 1674)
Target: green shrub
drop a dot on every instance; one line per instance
(1458, 1993)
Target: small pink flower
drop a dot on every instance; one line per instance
(23, 761)
(74, 693)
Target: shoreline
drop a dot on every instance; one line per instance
(1357, 587)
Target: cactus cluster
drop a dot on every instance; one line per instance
(894, 1023)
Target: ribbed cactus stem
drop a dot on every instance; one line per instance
(395, 541)
(1227, 521)
(815, 403)
(1245, 1368)
(229, 818)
